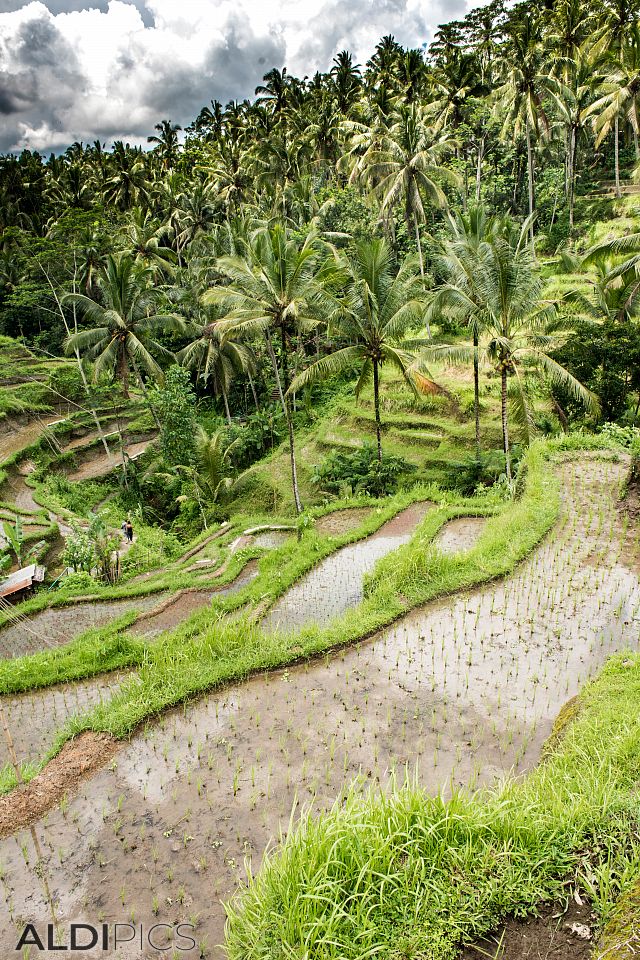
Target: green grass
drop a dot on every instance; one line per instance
(407, 875)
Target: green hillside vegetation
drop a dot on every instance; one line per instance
(398, 296)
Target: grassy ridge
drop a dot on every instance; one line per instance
(406, 875)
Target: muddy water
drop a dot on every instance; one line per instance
(60, 624)
(271, 539)
(188, 603)
(34, 718)
(463, 690)
(456, 536)
(340, 521)
(337, 582)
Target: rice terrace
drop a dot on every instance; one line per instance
(320, 491)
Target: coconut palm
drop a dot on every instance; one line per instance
(123, 326)
(215, 355)
(278, 288)
(619, 98)
(143, 236)
(405, 167)
(128, 183)
(380, 306)
(166, 143)
(456, 262)
(520, 328)
(572, 96)
(521, 94)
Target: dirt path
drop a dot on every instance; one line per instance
(463, 690)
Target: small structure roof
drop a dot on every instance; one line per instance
(22, 579)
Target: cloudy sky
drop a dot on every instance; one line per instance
(111, 69)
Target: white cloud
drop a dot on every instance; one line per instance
(81, 69)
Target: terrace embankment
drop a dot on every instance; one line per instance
(461, 691)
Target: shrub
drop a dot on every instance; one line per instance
(621, 436)
(66, 381)
(360, 472)
(81, 582)
(467, 475)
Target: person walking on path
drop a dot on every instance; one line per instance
(129, 531)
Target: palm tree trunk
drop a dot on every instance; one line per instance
(530, 173)
(376, 407)
(616, 155)
(285, 361)
(479, 170)
(571, 175)
(76, 352)
(287, 416)
(253, 390)
(226, 406)
(146, 396)
(505, 425)
(476, 390)
(421, 260)
(123, 372)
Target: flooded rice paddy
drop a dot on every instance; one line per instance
(336, 583)
(462, 691)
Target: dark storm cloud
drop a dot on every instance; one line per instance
(230, 71)
(43, 81)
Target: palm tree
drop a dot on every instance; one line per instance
(347, 80)
(166, 142)
(404, 166)
(279, 288)
(121, 335)
(519, 327)
(275, 91)
(521, 94)
(128, 183)
(143, 234)
(215, 354)
(572, 97)
(619, 98)
(457, 262)
(380, 305)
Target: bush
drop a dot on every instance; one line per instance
(360, 472)
(621, 436)
(259, 433)
(81, 582)
(467, 475)
(176, 402)
(66, 381)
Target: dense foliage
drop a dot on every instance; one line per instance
(392, 215)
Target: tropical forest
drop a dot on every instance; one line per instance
(319, 504)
